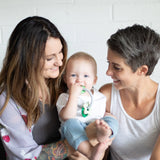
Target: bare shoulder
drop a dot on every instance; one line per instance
(106, 90)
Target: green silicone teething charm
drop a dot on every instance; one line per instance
(83, 90)
(85, 110)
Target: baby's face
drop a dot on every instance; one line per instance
(80, 72)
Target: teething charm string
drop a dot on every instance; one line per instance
(86, 107)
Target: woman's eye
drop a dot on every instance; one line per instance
(116, 68)
(49, 59)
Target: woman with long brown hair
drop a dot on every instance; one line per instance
(29, 86)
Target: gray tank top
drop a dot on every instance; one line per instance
(46, 129)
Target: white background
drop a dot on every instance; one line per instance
(85, 24)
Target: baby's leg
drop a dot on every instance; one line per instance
(99, 150)
(103, 130)
(93, 152)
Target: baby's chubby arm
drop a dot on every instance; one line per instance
(70, 110)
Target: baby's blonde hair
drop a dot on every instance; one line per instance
(84, 56)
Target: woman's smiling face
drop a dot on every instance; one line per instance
(120, 72)
(53, 58)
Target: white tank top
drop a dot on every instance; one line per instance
(136, 138)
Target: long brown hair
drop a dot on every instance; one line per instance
(21, 74)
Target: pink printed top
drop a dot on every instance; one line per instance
(16, 137)
(20, 142)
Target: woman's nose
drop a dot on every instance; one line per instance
(59, 61)
(109, 71)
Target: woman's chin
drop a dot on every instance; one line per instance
(52, 76)
(117, 84)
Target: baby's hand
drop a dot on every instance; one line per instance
(75, 89)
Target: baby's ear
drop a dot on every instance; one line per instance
(95, 80)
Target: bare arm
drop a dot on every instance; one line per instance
(106, 90)
(156, 151)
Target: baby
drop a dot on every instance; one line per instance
(83, 104)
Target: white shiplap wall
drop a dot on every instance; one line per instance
(85, 24)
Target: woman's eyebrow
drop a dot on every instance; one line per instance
(117, 64)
